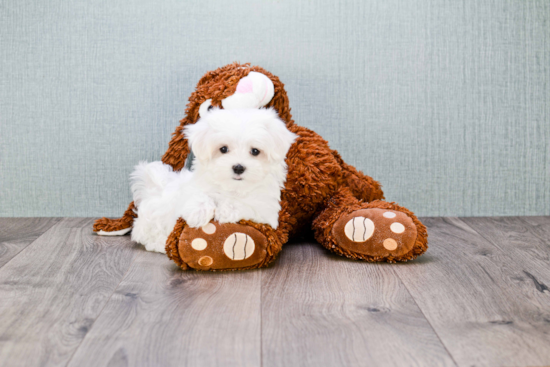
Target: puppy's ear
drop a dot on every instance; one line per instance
(197, 136)
(205, 107)
(281, 136)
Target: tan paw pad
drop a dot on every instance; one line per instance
(390, 244)
(238, 246)
(359, 229)
(397, 227)
(210, 228)
(205, 261)
(199, 244)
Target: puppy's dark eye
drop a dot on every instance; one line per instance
(210, 107)
(224, 150)
(254, 152)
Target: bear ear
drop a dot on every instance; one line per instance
(253, 91)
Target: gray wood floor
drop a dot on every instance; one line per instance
(479, 297)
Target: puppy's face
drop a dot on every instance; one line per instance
(239, 148)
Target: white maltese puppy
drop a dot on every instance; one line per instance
(238, 172)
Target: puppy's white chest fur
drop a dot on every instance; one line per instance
(261, 205)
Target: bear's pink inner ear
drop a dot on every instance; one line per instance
(245, 86)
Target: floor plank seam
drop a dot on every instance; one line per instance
(101, 311)
(427, 320)
(29, 245)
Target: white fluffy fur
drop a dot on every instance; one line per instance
(212, 190)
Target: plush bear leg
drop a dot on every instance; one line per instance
(231, 246)
(116, 227)
(374, 231)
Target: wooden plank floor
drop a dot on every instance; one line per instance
(480, 296)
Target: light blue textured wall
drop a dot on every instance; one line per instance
(445, 102)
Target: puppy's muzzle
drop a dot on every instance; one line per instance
(238, 169)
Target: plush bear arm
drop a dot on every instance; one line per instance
(106, 225)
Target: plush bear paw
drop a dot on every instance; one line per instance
(375, 233)
(217, 246)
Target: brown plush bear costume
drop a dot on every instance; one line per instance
(344, 207)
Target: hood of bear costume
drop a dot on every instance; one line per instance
(217, 86)
(221, 85)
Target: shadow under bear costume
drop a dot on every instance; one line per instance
(344, 207)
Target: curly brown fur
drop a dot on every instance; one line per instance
(362, 186)
(172, 244)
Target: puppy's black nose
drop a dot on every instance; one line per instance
(238, 169)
